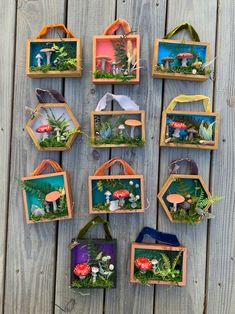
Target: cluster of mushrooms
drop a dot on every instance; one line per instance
(48, 52)
(51, 198)
(144, 264)
(184, 57)
(46, 129)
(107, 64)
(178, 126)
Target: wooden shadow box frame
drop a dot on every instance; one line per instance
(167, 184)
(179, 76)
(110, 177)
(208, 112)
(67, 188)
(28, 127)
(111, 80)
(135, 245)
(38, 39)
(117, 113)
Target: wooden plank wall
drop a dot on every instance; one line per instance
(34, 260)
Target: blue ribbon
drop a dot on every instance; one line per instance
(166, 238)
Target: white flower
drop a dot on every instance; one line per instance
(108, 257)
(131, 182)
(131, 195)
(137, 197)
(137, 186)
(104, 259)
(111, 267)
(194, 71)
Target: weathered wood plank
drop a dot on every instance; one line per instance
(86, 19)
(30, 249)
(6, 81)
(191, 298)
(221, 248)
(147, 19)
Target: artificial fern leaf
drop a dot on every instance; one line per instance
(175, 261)
(166, 260)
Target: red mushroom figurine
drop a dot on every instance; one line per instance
(44, 128)
(82, 270)
(177, 126)
(184, 56)
(143, 263)
(120, 195)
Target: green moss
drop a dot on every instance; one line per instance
(132, 142)
(50, 216)
(101, 282)
(185, 216)
(126, 206)
(183, 70)
(149, 275)
(98, 74)
(66, 65)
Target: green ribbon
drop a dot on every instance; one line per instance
(96, 220)
(193, 34)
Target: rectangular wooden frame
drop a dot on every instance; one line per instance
(91, 178)
(114, 241)
(120, 112)
(38, 74)
(71, 138)
(193, 113)
(135, 245)
(67, 192)
(178, 76)
(113, 81)
(168, 183)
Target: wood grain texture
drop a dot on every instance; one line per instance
(88, 18)
(147, 19)
(221, 247)
(6, 83)
(37, 259)
(29, 285)
(194, 237)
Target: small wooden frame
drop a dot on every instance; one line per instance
(32, 121)
(113, 66)
(80, 256)
(196, 117)
(158, 247)
(216, 115)
(31, 55)
(167, 185)
(141, 113)
(179, 76)
(110, 38)
(140, 179)
(67, 190)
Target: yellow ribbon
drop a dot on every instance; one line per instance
(193, 34)
(190, 98)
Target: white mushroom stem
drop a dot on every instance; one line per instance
(82, 277)
(54, 206)
(57, 134)
(184, 62)
(174, 207)
(94, 275)
(176, 133)
(39, 60)
(121, 202)
(48, 54)
(103, 64)
(132, 131)
(114, 68)
(167, 64)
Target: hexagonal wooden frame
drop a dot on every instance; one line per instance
(167, 184)
(35, 139)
